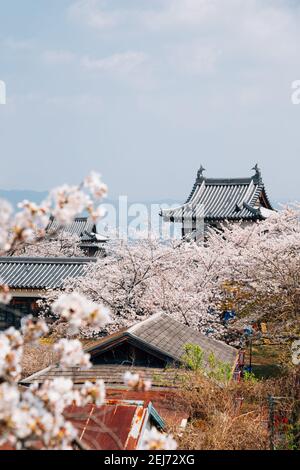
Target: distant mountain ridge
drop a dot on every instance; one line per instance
(14, 196)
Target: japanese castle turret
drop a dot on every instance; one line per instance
(214, 201)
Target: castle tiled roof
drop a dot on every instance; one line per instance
(223, 199)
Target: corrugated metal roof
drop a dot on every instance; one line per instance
(116, 425)
(40, 273)
(222, 199)
(111, 374)
(168, 337)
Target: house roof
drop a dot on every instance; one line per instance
(82, 227)
(163, 392)
(159, 334)
(111, 374)
(116, 425)
(223, 199)
(40, 273)
(166, 337)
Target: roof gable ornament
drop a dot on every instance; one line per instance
(257, 178)
(200, 173)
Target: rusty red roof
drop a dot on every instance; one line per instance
(116, 425)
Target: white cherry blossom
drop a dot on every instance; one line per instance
(79, 312)
(33, 418)
(71, 353)
(136, 381)
(5, 295)
(93, 392)
(156, 440)
(11, 350)
(95, 185)
(33, 328)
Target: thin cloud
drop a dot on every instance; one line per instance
(237, 27)
(121, 63)
(167, 13)
(19, 44)
(93, 14)
(87, 103)
(194, 58)
(58, 57)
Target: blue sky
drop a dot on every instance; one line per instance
(145, 91)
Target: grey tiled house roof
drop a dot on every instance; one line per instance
(111, 374)
(223, 199)
(170, 337)
(40, 273)
(82, 227)
(167, 337)
(159, 333)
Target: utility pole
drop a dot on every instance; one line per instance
(250, 355)
(271, 403)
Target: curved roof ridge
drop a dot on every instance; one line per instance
(252, 209)
(197, 193)
(197, 187)
(246, 197)
(228, 181)
(268, 198)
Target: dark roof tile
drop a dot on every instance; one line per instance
(171, 339)
(111, 374)
(40, 273)
(222, 199)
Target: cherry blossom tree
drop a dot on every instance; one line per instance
(28, 224)
(137, 279)
(252, 270)
(35, 418)
(64, 245)
(261, 271)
